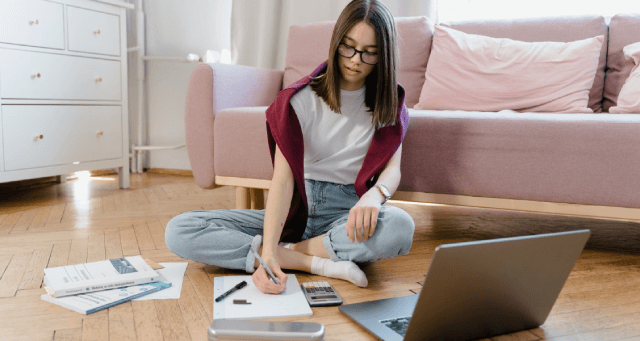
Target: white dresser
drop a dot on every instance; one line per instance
(63, 88)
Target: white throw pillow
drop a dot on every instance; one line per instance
(629, 97)
(478, 73)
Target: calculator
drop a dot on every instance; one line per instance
(320, 294)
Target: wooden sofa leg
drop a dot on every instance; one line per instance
(257, 199)
(243, 198)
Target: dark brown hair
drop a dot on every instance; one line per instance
(381, 95)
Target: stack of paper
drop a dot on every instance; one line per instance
(90, 287)
(96, 301)
(97, 276)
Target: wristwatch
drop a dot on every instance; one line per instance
(385, 192)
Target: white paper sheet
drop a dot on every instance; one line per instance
(174, 273)
(291, 302)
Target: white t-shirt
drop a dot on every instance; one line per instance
(334, 144)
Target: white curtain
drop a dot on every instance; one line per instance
(259, 28)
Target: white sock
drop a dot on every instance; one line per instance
(346, 270)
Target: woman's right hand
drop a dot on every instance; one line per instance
(262, 280)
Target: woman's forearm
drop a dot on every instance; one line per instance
(276, 211)
(390, 177)
(278, 203)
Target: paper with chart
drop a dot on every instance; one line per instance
(290, 303)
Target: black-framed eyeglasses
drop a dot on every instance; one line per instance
(347, 51)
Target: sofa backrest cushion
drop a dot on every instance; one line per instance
(561, 29)
(308, 47)
(493, 74)
(629, 97)
(624, 29)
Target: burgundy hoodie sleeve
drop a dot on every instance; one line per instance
(283, 130)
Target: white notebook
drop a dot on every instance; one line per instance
(97, 276)
(96, 301)
(290, 303)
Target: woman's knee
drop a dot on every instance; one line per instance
(177, 231)
(399, 229)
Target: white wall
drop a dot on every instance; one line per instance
(174, 28)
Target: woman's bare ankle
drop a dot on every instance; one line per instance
(302, 247)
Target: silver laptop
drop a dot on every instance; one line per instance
(478, 289)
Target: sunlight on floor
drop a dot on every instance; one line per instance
(82, 196)
(85, 176)
(415, 203)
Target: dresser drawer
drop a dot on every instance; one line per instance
(35, 75)
(93, 32)
(32, 23)
(49, 135)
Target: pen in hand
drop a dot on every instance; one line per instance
(232, 290)
(264, 265)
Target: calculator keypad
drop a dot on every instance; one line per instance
(320, 294)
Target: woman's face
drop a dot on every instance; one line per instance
(361, 37)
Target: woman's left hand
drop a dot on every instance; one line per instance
(363, 217)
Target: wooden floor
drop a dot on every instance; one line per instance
(51, 224)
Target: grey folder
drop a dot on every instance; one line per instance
(479, 289)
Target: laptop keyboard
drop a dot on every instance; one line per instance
(398, 324)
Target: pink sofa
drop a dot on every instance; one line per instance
(517, 160)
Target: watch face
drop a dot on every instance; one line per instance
(384, 191)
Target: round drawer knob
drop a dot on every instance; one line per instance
(99, 79)
(100, 133)
(96, 32)
(31, 22)
(40, 137)
(37, 75)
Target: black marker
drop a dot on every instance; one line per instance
(232, 290)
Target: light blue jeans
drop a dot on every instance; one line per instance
(223, 237)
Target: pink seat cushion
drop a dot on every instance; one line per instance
(563, 29)
(308, 47)
(510, 155)
(565, 158)
(623, 31)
